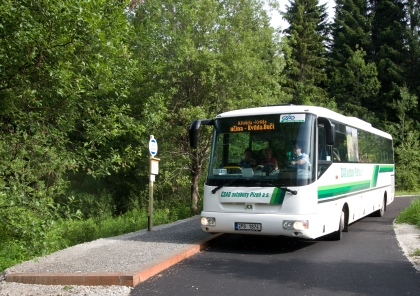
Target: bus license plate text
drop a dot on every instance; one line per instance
(247, 226)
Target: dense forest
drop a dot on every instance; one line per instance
(84, 83)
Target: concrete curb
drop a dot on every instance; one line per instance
(130, 279)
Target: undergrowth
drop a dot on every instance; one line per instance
(410, 215)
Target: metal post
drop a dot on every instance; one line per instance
(150, 218)
(153, 170)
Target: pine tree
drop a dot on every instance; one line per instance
(413, 67)
(389, 38)
(306, 59)
(354, 83)
(350, 30)
(352, 79)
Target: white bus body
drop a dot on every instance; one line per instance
(350, 173)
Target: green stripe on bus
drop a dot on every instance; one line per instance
(386, 168)
(375, 176)
(335, 190)
(339, 189)
(277, 197)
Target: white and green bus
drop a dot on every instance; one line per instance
(347, 172)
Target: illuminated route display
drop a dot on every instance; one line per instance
(262, 123)
(252, 125)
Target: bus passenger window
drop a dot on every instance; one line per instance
(322, 146)
(340, 147)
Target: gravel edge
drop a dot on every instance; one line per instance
(408, 237)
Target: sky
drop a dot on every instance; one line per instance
(276, 19)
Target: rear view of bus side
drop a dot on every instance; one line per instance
(300, 171)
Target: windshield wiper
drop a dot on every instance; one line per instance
(223, 185)
(294, 192)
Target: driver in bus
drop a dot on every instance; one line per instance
(302, 163)
(301, 160)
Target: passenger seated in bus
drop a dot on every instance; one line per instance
(248, 161)
(269, 159)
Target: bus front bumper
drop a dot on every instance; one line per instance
(260, 224)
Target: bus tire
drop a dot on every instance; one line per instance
(337, 235)
(381, 211)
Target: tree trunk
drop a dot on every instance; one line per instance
(195, 174)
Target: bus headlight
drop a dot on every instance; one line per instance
(296, 225)
(208, 221)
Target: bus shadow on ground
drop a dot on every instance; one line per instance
(249, 244)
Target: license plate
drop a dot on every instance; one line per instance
(247, 226)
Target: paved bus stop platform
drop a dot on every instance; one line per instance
(125, 260)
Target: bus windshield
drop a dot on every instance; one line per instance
(264, 150)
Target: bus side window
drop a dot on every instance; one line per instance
(339, 147)
(322, 147)
(336, 155)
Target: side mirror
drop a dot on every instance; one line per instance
(329, 130)
(193, 130)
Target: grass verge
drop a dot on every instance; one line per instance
(411, 214)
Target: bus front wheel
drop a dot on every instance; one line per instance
(337, 235)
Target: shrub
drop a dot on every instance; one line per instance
(410, 215)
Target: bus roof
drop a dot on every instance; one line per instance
(318, 111)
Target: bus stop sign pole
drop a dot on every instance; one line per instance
(154, 170)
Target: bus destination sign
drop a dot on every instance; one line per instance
(252, 125)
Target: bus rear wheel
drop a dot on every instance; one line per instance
(381, 211)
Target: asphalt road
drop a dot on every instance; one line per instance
(367, 261)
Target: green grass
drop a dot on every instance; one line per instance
(416, 252)
(402, 193)
(410, 215)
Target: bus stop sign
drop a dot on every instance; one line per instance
(153, 146)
